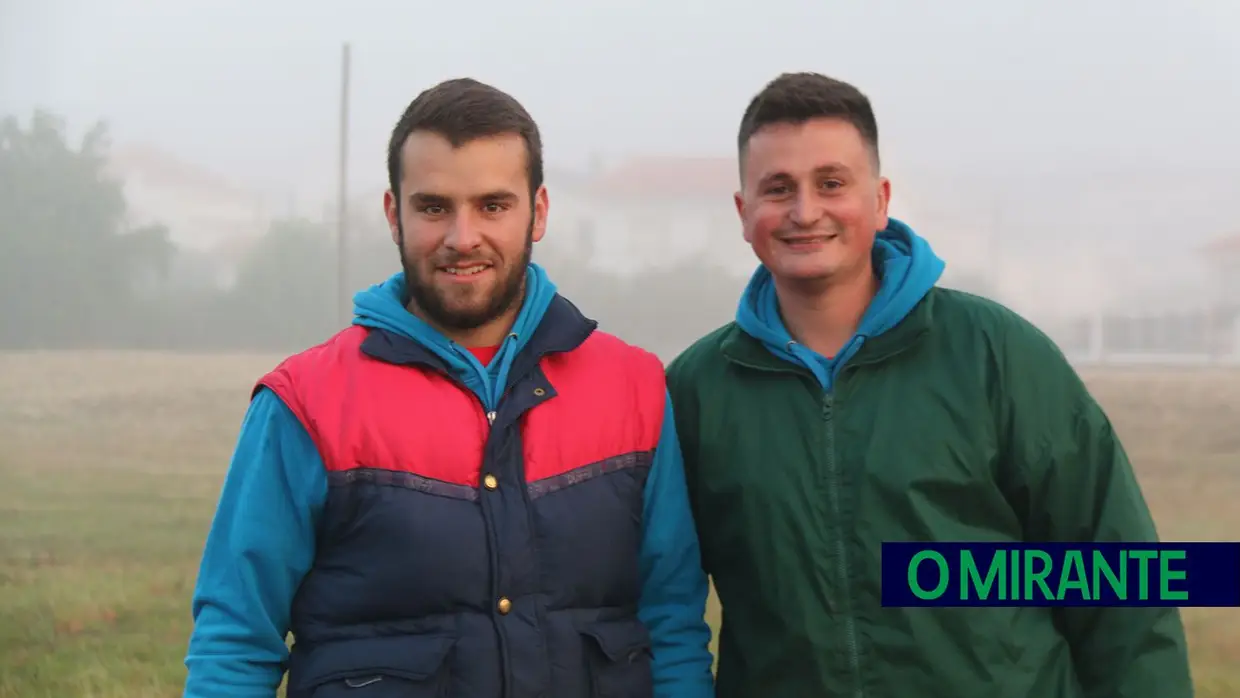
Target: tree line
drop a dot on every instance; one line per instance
(74, 273)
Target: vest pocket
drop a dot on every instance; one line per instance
(618, 659)
(407, 666)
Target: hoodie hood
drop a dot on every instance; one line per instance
(382, 307)
(907, 270)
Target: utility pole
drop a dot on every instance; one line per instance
(342, 209)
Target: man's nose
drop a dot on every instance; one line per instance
(806, 210)
(463, 234)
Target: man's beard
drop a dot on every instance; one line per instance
(431, 301)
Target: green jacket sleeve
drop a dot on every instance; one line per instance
(1071, 481)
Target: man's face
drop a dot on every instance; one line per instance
(811, 201)
(465, 227)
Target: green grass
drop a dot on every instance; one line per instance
(112, 464)
(95, 575)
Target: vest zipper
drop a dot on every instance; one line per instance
(490, 417)
(841, 551)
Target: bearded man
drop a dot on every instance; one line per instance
(469, 492)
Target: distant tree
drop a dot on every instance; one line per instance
(148, 252)
(668, 309)
(286, 286)
(66, 266)
(662, 309)
(372, 260)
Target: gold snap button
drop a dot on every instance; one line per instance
(539, 392)
(504, 605)
(490, 482)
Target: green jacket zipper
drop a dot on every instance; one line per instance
(841, 549)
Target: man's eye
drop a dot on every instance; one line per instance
(433, 210)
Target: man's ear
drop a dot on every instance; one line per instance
(882, 201)
(391, 210)
(739, 200)
(542, 206)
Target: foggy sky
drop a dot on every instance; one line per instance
(251, 90)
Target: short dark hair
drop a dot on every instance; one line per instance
(461, 110)
(795, 98)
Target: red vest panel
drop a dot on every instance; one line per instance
(365, 413)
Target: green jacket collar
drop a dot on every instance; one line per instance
(740, 348)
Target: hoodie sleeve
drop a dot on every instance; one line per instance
(673, 601)
(260, 545)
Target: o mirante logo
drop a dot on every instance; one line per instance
(1061, 574)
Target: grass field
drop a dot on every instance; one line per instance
(112, 462)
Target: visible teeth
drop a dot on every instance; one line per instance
(465, 271)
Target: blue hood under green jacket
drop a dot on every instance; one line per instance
(907, 269)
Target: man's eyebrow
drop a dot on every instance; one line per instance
(833, 168)
(422, 197)
(769, 177)
(498, 195)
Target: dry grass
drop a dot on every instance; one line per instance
(113, 461)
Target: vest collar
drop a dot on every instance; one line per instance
(563, 328)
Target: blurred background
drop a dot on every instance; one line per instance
(191, 190)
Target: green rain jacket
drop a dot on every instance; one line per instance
(947, 418)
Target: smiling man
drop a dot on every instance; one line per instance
(854, 402)
(471, 491)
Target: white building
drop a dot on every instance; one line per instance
(648, 213)
(212, 222)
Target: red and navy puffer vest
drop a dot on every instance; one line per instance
(468, 554)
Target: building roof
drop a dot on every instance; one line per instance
(150, 164)
(1228, 245)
